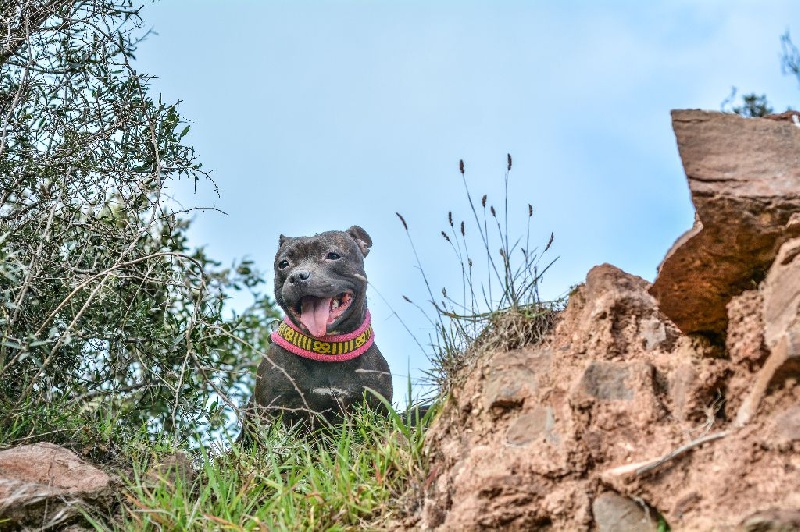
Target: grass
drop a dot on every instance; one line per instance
(497, 305)
(350, 477)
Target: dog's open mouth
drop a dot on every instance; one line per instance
(316, 313)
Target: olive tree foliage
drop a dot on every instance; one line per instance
(104, 308)
(754, 105)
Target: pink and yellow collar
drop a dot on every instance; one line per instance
(337, 348)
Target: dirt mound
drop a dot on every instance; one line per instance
(623, 419)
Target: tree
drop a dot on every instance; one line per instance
(754, 105)
(104, 308)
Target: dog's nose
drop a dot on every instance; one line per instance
(298, 276)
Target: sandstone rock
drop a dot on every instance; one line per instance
(536, 425)
(607, 381)
(782, 295)
(744, 342)
(613, 316)
(613, 513)
(744, 346)
(781, 330)
(744, 177)
(44, 486)
(696, 389)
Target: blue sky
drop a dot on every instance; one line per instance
(320, 115)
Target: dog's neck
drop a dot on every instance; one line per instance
(335, 348)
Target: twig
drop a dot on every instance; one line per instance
(641, 470)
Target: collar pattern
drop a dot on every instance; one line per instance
(334, 348)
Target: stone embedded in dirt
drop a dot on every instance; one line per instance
(772, 521)
(744, 177)
(613, 513)
(44, 486)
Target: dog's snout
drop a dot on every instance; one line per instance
(298, 276)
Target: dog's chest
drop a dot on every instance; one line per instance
(329, 382)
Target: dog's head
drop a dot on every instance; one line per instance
(320, 281)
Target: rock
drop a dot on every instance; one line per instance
(697, 424)
(744, 342)
(744, 177)
(43, 486)
(781, 330)
(613, 512)
(786, 425)
(607, 381)
(512, 446)
(536, 425)
(782, 295)
(696, 389)
(776, 520)
(613, 316)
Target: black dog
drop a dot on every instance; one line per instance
(323, 360)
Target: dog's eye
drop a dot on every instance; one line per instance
(282, 264)
(333, 256)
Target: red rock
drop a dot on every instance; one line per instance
(744, 177)
(781, 330)
(782, 295)
(617, 413)
(44, 486)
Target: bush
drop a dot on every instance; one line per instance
(104, 308)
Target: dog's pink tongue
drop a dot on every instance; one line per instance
(314, 312)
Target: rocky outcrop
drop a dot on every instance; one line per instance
(44, 487)
(744, 176)
(670, 403)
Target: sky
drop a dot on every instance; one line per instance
(321, 115)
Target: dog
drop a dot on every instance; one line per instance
(323, 360)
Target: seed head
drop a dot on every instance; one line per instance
(403, 220)
(461, 166)
(494, 213)
(483, 201)
(450, 218)
(445, 236)
(509, 160)
(462, 228)
(530, 210)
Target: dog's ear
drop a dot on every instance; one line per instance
(362, 239)
(282, 240)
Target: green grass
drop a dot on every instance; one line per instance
(352, 476)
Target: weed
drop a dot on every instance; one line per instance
(501, 311)
(352, 476)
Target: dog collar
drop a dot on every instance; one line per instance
(336, 348)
